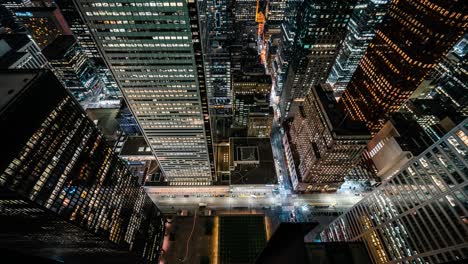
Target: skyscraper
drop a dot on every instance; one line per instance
(252, 103)
(411, 40)
(321, 28)
(443, 95)
(154, 51)
(56, 169)
(80, 29)
(326, 142)
(367, 15)
(419, 214)
(18, 51)
(245, 10)
(276, 10)
(451, 80)
(17, 3)
(83, 35)
(285, 43)
(73, 68)
(43, 23)
(216, 37)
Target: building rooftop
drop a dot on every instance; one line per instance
(15, 41)
(251, 161)
(135, 146)
(241, 238)
(106, 120)
(243, 77)
(277, 251)
(13, 82)
(59, 47)
(10, 58)
(435, 106)
(341, 123)
(297, 251)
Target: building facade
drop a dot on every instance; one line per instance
(251, 109)
(419, 214)
(245, 10)
(17, 3)
(399, 140)
(43, 23)
(18, 51)
(80, 29)
(443, 96)
(154, 51)
(216, 28)
(400, 56)
(88, 45)
(326, 143)
(56, 160)
(73, 68)
(321, 29)
(367, 15)
(275, 11)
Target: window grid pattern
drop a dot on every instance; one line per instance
(67, 167)
(420, 213)
(151, 48)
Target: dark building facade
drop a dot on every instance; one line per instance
(72, 67)
(367, 15)
(442, 97)
(127, 122)
(88, 45)
(321, 28)
(8, 21)
(79, 29)
(43, 23)
(412, 39)
(55, 161)
(297, 251)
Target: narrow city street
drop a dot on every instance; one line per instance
(329, 201)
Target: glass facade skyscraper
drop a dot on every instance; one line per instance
(412, 39)
(79, 28)
(73, 68)
(216, 27)
(56, 164)
(114, 112)
(153, 49)
(419, 214)
(367, 15)
(321, 29)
